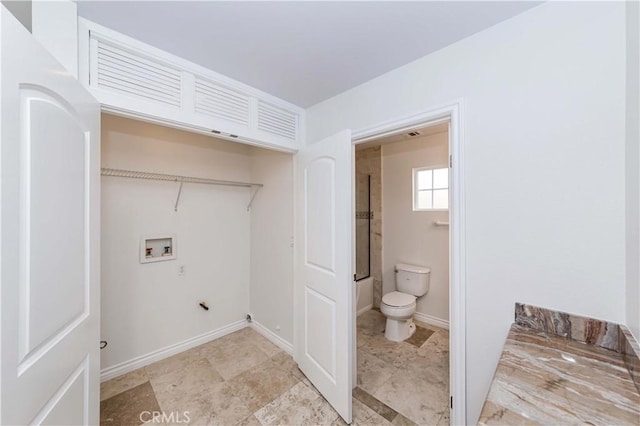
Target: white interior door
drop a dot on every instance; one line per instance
(49, 233)
(323, 279)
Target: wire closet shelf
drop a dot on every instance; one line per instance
(181, 180)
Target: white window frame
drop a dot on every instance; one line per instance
(415, 190)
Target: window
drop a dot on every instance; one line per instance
(430, 188)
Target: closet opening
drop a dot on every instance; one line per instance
(196, 235)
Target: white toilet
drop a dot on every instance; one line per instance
(399, 306)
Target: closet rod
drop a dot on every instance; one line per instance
(181, 179)
(175, 178)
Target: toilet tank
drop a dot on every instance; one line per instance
(412, 279)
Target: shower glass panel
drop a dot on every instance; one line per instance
(363, 225)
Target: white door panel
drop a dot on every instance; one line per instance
(49, 281)
(46, 168)
(320, 336)
(319, 190)
(67, 406)
(323, 285)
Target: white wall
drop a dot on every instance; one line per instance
(146, 307)
(55, 26)
(632, 168)
(271, 237)
(410, 236)
(544, 97)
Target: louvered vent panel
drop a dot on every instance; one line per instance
(277, 121)
(137, 76)
(218, 101)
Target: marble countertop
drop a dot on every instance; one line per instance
(548, 379)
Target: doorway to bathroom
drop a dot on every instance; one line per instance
(402, 214)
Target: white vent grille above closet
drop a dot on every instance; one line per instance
(139, 81)
(277, 121)
(217, 101)
(136, 76)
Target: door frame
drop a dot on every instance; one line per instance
(452, 112)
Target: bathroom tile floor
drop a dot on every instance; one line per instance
(243, 379)
(410, 379)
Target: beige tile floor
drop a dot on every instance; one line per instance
(243, 379)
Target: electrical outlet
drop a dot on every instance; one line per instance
(182, 270)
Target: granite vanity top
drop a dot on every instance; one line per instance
(545, 378)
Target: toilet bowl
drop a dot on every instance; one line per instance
(399, 309)
(399, 306)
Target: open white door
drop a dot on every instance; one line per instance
(49, 234)
(323, 279)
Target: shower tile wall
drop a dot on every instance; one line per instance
(369, 161)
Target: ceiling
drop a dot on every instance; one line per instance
(302, 52)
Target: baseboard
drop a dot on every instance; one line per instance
(160, 354)
(365, 309)
(271, 336)
(428, 319)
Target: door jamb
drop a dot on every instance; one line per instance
(452, 112)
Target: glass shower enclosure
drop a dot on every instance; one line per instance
(363, 226)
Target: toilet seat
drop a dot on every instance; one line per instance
(398, 306)
(398, 299)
